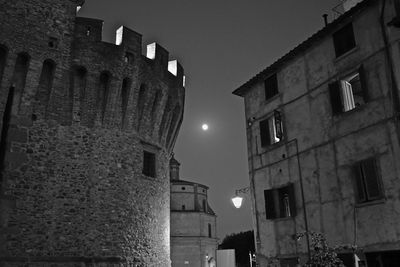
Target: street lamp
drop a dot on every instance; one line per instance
(237, 200)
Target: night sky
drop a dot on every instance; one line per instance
(221, 44)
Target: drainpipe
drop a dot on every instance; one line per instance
(394, 86)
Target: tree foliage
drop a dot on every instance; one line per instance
(243, 243)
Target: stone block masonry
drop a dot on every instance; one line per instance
(77, 115)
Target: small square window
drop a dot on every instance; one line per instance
(183, 188)
(149, 164)
(349, 92)
(271, 129)
(183, 207)
(53, 42)
(280, 202)
(271, 86)
(367, 182)
(344, 40)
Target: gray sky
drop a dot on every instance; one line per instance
(221, 44)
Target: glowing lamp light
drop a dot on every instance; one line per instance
(237, 201)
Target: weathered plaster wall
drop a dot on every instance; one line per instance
(328, 147)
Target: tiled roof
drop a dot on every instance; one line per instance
(327, 30)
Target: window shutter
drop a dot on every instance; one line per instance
(363, 80)
(264, 133)
(278, 124)
(270, 211)
(371, 179)
(292, 199)
(336, 100)
(359, 183)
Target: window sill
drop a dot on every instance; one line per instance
(370, 203)
(351, 51)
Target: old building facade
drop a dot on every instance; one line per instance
(193, 223)
(87, 130)
(323, 141)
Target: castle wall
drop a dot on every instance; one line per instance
(72, 190)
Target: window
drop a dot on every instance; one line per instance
(53, 42)
(183, 207)
(344, 40)
(271, 130)
(204, 205)
(349, 92)
(183, 188)
(209, 230)
(271, 86)
(367, 181)
(280, 203)
(149, 164)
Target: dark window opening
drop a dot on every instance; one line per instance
(53, 42)
(344, 40)
(209, 230)
(46, 82)
(77, 84)
(183, 188)
(125, 92)
(271, 129)
(3, 60)
(183, 207)
(271, 86)
(349, 93)
(204, 205)
(103, 93)
(367, 181)
(149, 164)
(280, 203)
(88, 31)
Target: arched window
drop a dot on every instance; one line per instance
(19, 78)
(78, 91)
(141, 104)
(103, 93)
(165, 118)
(46, 82)
(175, 118)
(156, 104)
(125, 92)
(3, 61)
(209, 230)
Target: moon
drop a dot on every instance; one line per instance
(204, 127)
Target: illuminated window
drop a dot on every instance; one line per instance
(280, 202)
(344, 40)
(349, 92)
(271, 130)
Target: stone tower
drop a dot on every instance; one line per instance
(87, 130)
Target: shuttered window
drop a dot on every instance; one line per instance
(149, 164)
(367, 181)
(344, 40)
(280, 202)
(271, 86)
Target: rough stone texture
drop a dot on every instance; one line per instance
(72, 190)
(328, 145)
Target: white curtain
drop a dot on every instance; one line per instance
(347, 96)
